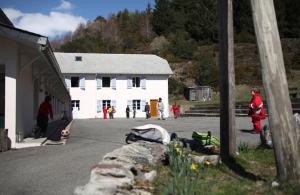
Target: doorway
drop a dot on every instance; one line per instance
(75, 108)
(153, 108)
(2, 96)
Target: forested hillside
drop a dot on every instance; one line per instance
(185, 32)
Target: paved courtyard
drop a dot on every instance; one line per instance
(59, 169)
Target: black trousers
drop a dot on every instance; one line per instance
(42, 122)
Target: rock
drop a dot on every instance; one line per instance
(297, 118)
(150, 175)
(132, 154)
(275, 184)
(116, 173)
(213, 159)
(143, 153)
(106, 179)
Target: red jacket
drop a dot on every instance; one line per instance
(256, 107)
(46, 109)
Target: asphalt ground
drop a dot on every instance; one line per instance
(59, 169)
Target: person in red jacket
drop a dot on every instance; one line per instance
(256, 110)
(175, 110)
(45, 110)
(104, 112)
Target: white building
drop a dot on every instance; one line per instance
(98, 80)
(28, 72)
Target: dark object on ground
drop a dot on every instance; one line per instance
(5, 142)
(132, 137)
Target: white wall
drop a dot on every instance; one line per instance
(20, 108)
(156, 86)
(25, 122)
(9, 57)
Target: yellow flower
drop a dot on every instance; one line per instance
(194, 166)
(206, 162)
(178, 151)
(177, 145)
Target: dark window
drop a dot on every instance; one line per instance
(105, 81)
(78, 58)
(136, 104)
(105, 103)
(136, 82)
(74, 81)
(75, 104)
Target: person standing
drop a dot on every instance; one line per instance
(256, 111)
(45, 110)
(147, 110)
(134, 112)
(110, 114)
(113, 112)
(175, 110)
(104, 112)
(160, 108)
(127, 111)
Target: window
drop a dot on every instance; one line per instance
(105, 81)
(136, 81)
(75, 104)
(136, 104)
(78, 58)
(74, 81)
(106, 103)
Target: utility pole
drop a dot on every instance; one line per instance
(285, 134)
(227, 80)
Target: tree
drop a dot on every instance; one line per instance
(162, 17)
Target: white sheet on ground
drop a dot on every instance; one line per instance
(164, 132)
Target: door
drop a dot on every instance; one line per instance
(192, 95)
(75, 108)
(153, 108)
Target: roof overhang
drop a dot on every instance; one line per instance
(39, 43)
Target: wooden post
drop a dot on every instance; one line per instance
(282, 124)
(227, 80)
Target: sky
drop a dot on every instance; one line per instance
(54, 18)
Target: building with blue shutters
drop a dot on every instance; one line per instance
(120, 80)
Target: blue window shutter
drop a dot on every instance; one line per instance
(129, 83)
(82, 83)
(143, 103)
(129, 103)
(68, 81)
(99, 82)
(113, 83)
(99, 106)
(143, 83)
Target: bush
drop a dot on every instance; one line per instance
(176, 87)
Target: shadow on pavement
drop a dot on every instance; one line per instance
(246, 131)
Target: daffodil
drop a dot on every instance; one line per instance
(177, 145)
(206, 162)
(194, 166)
(178, 150)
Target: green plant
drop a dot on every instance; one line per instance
(243, 147)
(185, 175)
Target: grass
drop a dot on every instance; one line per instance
(251, 172)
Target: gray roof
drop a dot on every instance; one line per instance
(112, 63)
